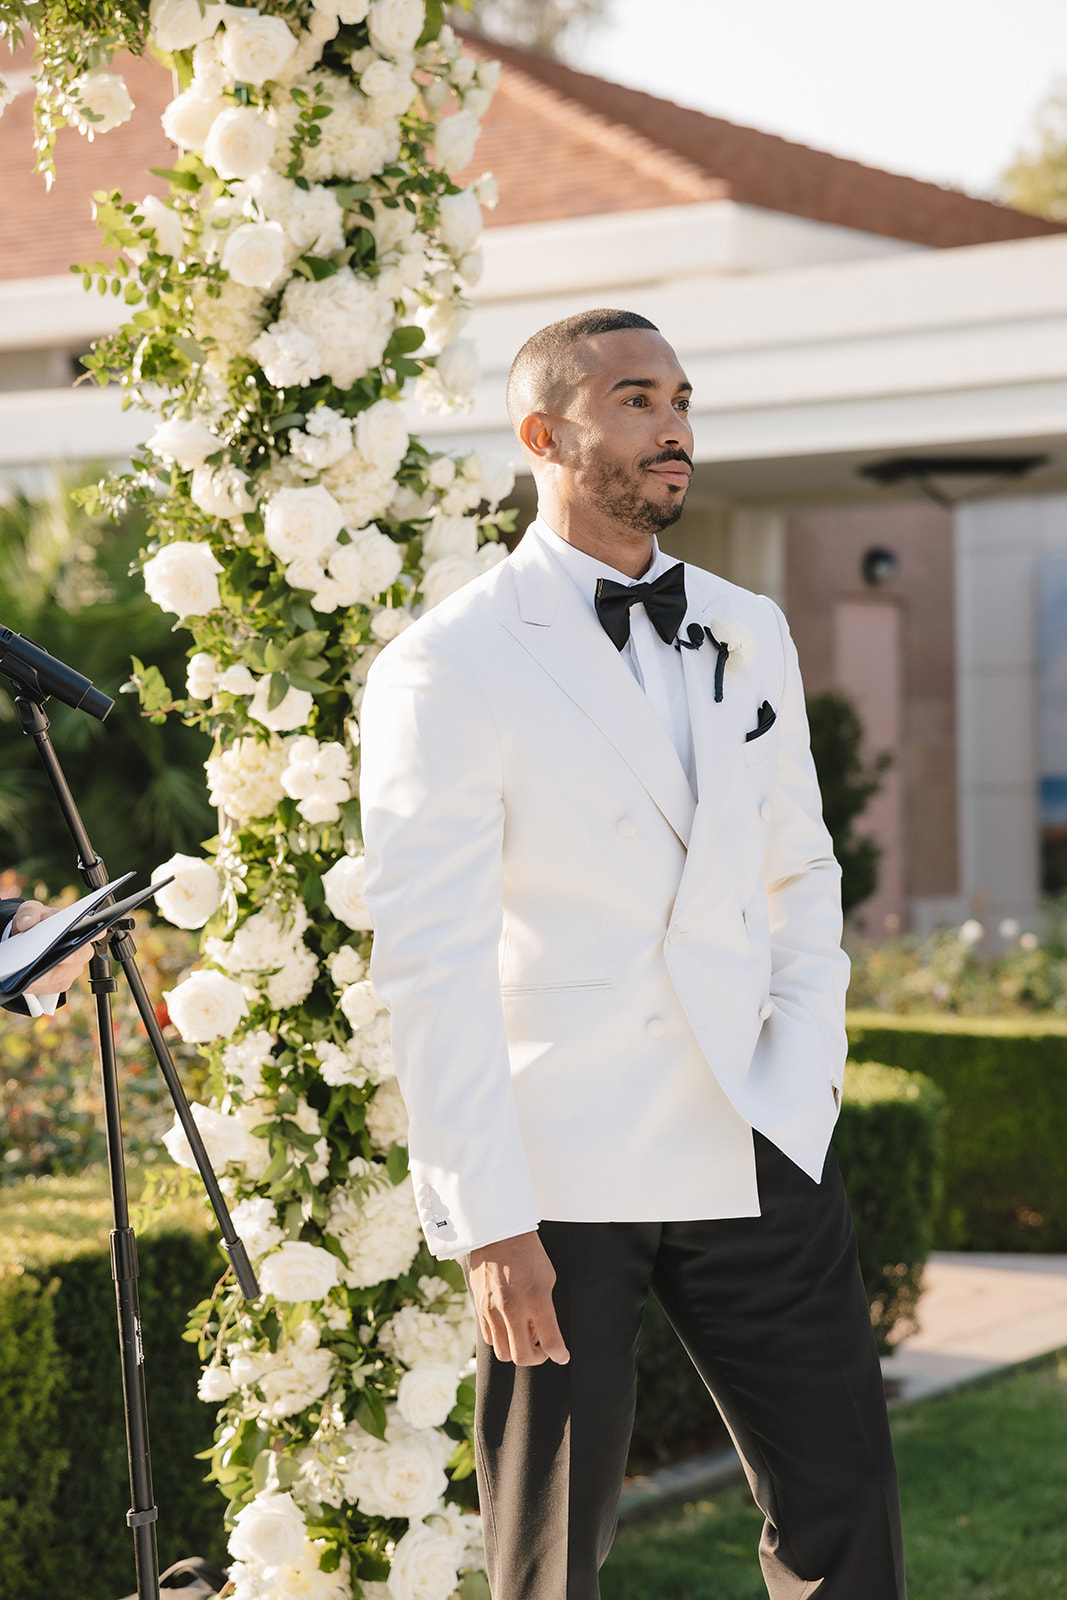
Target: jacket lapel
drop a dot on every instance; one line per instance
(558, 629)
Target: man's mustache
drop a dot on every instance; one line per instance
(665, 456)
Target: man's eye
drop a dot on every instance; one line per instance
(683, 403)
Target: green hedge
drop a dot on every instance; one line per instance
(64, 1487)
(887, 1143)
(1004, 1161)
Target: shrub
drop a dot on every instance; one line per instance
(956, 972)
(1004, 1160)
(887, 1145)
(65, 1487)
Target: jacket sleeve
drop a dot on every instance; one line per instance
(809, 969)
(433, 825)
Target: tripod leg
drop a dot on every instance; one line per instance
(142, 1514)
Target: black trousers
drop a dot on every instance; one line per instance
(772, 1312)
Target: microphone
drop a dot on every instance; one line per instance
(30, 666)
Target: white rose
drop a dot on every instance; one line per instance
(390, 622)
(302, 523)
(255, 49)
(269, 1531)
(221, 491)
(343, 884)
(305, 573)
(444, 578)
(471, 268)
(215, 1384)
(188, 120)
(457, 367)
(186, 442)
(237, 680)
(442, 322)
(227, 1139)
(255, 254)
(391, 226)
(441, 473)
(298, 1271)
(180, 24)
(207, 1006)
(401, 1477)
(194, 895)
(291, 712)
(450, 536)
(487, 189)
(367, 566)
(287, 355)
(240, 142)
(181, 578)
(427, 1394)
(738, 638)
(459, 222)
(395, 25)
(106, 99)
(381, 434)
(167, 227)
(346, 966)
(200, 677)
(425, 1565)
(359, 1001)
(454, 141)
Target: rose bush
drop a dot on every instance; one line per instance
(304, 281)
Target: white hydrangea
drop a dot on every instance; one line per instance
(377, 1226)
(227, 322)
(339, 1067)
(326, 437)
(347, 320)
(387, 1117)
(245, 778)
(414, 1337)
(362, 490)
(245, 1059)
(256, 1222)
(366, 567)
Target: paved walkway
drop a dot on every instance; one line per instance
(978, 1313)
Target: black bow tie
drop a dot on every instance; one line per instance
(663, 599)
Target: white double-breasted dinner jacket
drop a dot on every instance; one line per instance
(599, 982)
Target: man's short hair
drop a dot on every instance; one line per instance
(544, 366)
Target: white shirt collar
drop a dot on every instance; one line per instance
(584, 570)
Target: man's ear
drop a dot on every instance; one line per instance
(537, 436)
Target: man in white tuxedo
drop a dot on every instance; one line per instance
(607, 924)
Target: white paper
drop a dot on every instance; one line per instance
(20, 949)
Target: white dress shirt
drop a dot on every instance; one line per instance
(656, 666)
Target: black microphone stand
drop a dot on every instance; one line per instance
(118, 946)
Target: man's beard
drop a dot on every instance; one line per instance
(612, 491)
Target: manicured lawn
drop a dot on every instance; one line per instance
(984, 1484)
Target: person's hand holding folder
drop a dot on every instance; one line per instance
(60, 977)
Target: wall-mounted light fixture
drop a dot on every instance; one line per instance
(878, 566)
(949, 479)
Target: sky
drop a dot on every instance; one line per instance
(940, 89)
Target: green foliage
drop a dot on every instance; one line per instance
(64, 582)
(847, 785)
(983, 1476)
(104, 28)
(66, 1487)
(51, 1103)
(1037, 179)
(887, 1146)
(1004, 1158)
(955, 971)
(32, 1453)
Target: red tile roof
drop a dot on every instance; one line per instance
(562, 144)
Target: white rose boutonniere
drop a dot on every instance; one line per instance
(735, 644)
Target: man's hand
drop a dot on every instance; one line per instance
(59, 977)
(511, 1283)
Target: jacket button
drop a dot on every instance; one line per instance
(765, 811)
(766, 1011)
(655, 1027)
(627, 827)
